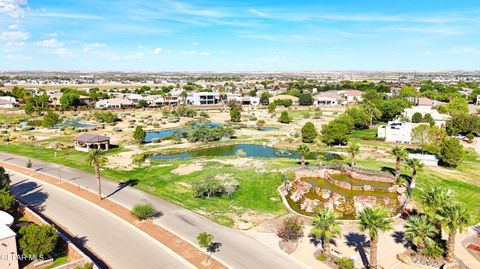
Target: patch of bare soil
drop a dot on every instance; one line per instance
(270, 226)
(188, 169)
(258, 165)
(288, 246)
(249, 219)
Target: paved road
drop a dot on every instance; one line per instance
(117, 242)
(238, 250)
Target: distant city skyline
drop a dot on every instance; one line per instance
(222, 36)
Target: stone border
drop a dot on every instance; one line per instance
(285, 202)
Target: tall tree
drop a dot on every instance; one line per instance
(399, 153)
(304, 150)
(420, 231)
(433, 200)
(309, 133)
(455, 218)
(353, 149)
(205, 241)
(139, 134)
(95, 158)
(416, 165)
(373, 220)
(235, 115)
(326, 226)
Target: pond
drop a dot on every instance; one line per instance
(346, 202)
(251, 150)
(150, 136)
(75, 123)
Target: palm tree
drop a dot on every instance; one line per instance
(416, 165)
(373, 220)
(420, 231)
(455, 217)
(327, 227)
(96, 158)
(400, 153)
(353, 149)
(304, 150)
(433, 200)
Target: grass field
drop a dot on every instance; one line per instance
(257, 191)
(12, 118)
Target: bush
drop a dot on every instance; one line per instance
(143, 211)
(204, 115)
(139, 134)
(29, 163)
(235, 115)
(417, 117)
(451, 151)
(291, 229)
(215, 186)
(36, 241)
(322, 257)
(344, 263)
(205, 134)
(105, 116)
(6, 199)
(284, 117)
(309, 133)
(87, 265)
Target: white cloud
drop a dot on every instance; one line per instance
(135, 56)
(258, 13)
(194, 52)
(80, 16)
(13, 8)
(13, 36)
(49, 43)
(157, 50)
(18, 57)
(93, 47)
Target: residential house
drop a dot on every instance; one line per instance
(7, 102)
(440, 119)
(8, 244)
(203, 98)
(244, 100)
(84, 100)
(114, 103)
(86, 142)
(396, 131)
(328, 98)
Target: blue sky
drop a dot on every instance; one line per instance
(96, 35)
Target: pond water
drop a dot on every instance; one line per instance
(270, 128)
(75, 123)
(346, 208)
(251, 150)
(169, 132)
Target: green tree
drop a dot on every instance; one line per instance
(235, 115)
(284, 117)
(334, 133)
(96, 158)
(4, 179)
(326, 227)
(420, 231)
(455, 217)
(400, 154)
(417, 117)
(6, 199)
(309, 133)
(272, 107)
(408, 91)
(264, 98)
(429, 119)
(304, 150)
(205, 240)
(260, 124)
(451, 151)
(305, 99)
(139, 134)
(353, 149)
(69, 100)
(361, 118)
(433, 200)
(374, 220)
(37, 241)
(50, 119)
(29, 107)
(456, 105)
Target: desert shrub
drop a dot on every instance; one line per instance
(322, 257)
(204, 115)
(215, 186)
(143, 211)
(291, 229)
(344, 263)
(105, 116)
(87, 265)
(206, 134)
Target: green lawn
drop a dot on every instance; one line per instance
(58, 261)
(364, 134)
(257, 191)
(464, 180)
(13, 118)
